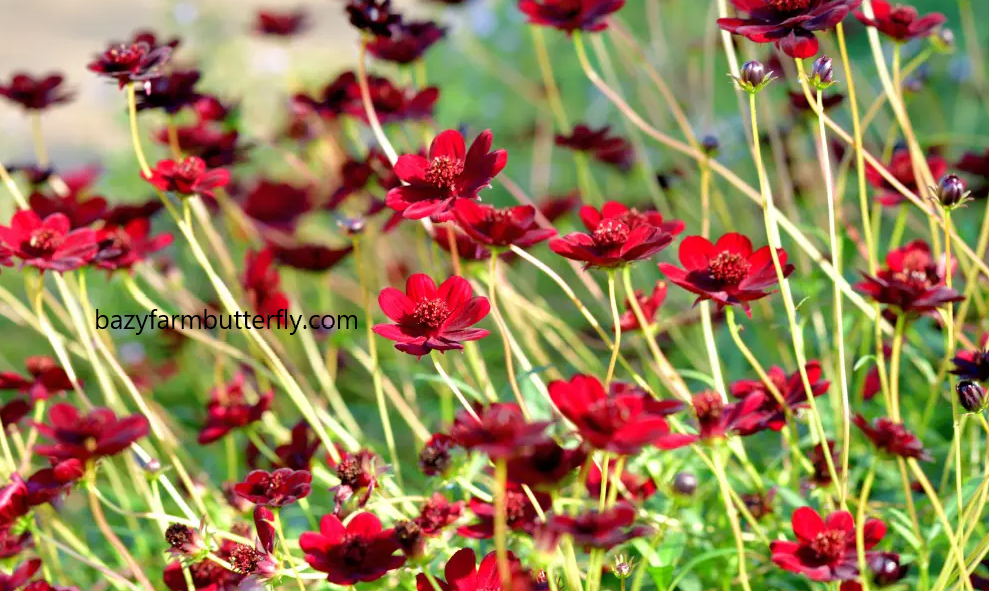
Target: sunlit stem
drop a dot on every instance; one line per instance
(616, 318)
(945, 524)
(453, 386)
(372, 116)
(860, 523)
(725, 488)
(505, 334)
(949, 352)
(100, 518)
(501, 523)
(134, 130)
(894, 366)
(283, 543)
(40, 151)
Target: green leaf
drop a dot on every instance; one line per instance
(791, 498)
(862, 361)
(699, 376)
(435, 379)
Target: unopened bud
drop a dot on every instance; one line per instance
(822, 73)
(972, 396)
(944, 40)
(753, 77)
(685, 483)
(710, 145)
(623, 566)
(951, 191)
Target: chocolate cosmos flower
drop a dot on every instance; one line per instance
(500, 227)
(47, 379)
(648, 304)
(229, 410)
(893, 438)
(35, 94)
(594, 529)
(121, 247)
(545, 463)
(189, 176)
(171, 93)
(617, 236)
(88, 437)
(352, 554)
(280, 23)
(284, 486)
(407, 43)
(498, 430)
(825, 549)
(789, 24)
(606, 148)
(901, 23)
(462, 574)
(519, 510)
(570, 15)
(48, 243)
(137, 61)
(900, 167)
(791, 388)
(913, 282)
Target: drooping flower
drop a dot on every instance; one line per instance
(728, 272)
(121, 247)
(545, 464)
(901, 23)
(437, 513)
(357, 472)
(913, 282)
(408, 42)
(352, 554)
(621, 422)
(35, 94)
(47, 243)
(297, 454)
(171, 92)
(609, 149)
(521, 514)
(428, 318)
(648, 304)
(500, 227)
(278, 23)
(571, 15)
(137, 61)
(228, 409)
(825, 550)
(393, 104)
(791, 389)
(88, 437)
(282, 487)
(596, 529)
(47, 379)
(789, 24)
(372, 16)
(498, 430)
(262, 285)
(450, 172)
(893, 438)
(900, 167)
(973, 365)
(188, 177)
(616, 236)
(309, 257)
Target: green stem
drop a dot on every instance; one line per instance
(616, 318)
(501, 524)
(719, 473)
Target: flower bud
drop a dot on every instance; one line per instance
(710, 145)
(623, 566)
(753, 77)
(822, 73)
(944, 40)
(950, 191)
(972, 396)
(685, 483)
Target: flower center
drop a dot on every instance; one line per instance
(245, 559)
(191, 168)
(407, 534)
(349, 471)
(729, 268)
(611, 232)
(45, 240)
(126, 53)
(444, 171)
(431, 313)
(177, 535)
(607, 415)
(275, 482)
(515, 504)
(789, 5)
(708, 406)
(498, 216)
(829, 544)
(354, 551)
(633, 218)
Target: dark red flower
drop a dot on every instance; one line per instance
(14, 411)
(352, 554)
(463, 575)
(500, 227)
(121, 247)
(258, 564)
(553, 207)
(619, 237)
(13, 544)
(47, 243)
(977, 165)
(47, 379)
(188, 177)
(121, 215)
(393, 104)
(228, 410)
(171, 92)
(88, 437)
(760, 503)
(467, 248)
(900, 167)
(450, 172)
(357, 472)
(81, 212)
(309, 257)
(520, 513)
(893, 438)
(407, 43)
(613, 150)
(631, 217)
(261, 283)
(428, 318)
(791, 388)
(634, 487)
(206, 576)
(373, 16)
(800, 104)
(825, 549)
(35, 94)
(570, 15)
(901, 23)
(789, 24)
(20, 576)
(718, 420)
(727, 272)
(214, 143)
(297, 454)
(437, 513)
(822, 474)
(43, 585)
(969, 365)
(596, 529)
(334, 99)
(648, 304)
(913, 282)
(13, 502)
(622, 421)
(279, 23)
(277, 204)
(886, 570)
(136, 61)
(282, 487)
(434, 459)
(499, 430)
(211, 108)
(545, 463)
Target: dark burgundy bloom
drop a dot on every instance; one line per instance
(435, 459)
(13, 502)
(277, 204)
(438, 513)
(214, 143)
(553, 207)
(498, 430)
(520, 513)
(183, 540)
(622, 421)
(900, 167)
(20, 576)
(81, 212)
(136, 61)
(121, 247)
(206, 576)
(310, 257)
(88, 437)
(121, 215)
(279, 23)
(636, 488)
(262, 285)
(14, 411)
(728, 272)
(545, 463)
(760, 504)
(800, 104)
(352, 554)
(228, 410)
(822, 474)
(171, 92)
(463, 575)
(500, 227)
(428, 318)
(373, 16)
(977, 165)
(970, 365)
(789, 24)
(467, 248)
(47, 379)
(450, 172)
(648, 304)
(791, 388)
(47, 243)
(342, 92)
(717, 420)
(264, 525)
(407, 43)
(616, 236)
(297, 454)
(913, 282)
(393, 104)
(282, 487)
(886, 570)
(357, 472)
(35, 94)
(189, 176)
(893, 438)
(260, 565)
(901, 23)
(595, 529)
(613, 150)
(825, 549)
(13, 544)
(570, 15)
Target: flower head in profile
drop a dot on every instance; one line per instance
(278, 23)
(296, 454)
(373, 16)
(893, 438)
(520, 512)
(450, 172)
(973, 364)
(46, 379)
(599, 143)
(595, 529)
(262, 285)
(648, 304)
(825, 549)
(356, 553)
(728, 272)
(429, 318)
(213, 142)
(616, 236)
(187, 177)
(139, 60)
(901, 23)
(462, 573)
(437, 513)
(393, 104)
(467, 249)
(900, 167)
(719, 420)
(500, 227)
(790, 388)
(913, 281)
(821, 476)
(435, 457)
(545, 463)
(228, 409)
(170, 92)
(571, 15)
(88, 437)
(35, 94)
(499, 430)
(408, 42)
(47, 243)
(82, 210)
(284, 486)
(358, 473)
(789, 24)
(121, 247)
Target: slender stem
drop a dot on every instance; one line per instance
(501, 523)
(134, 130)
(661, 361)
(450, 383)
(100, 518)
(372, 116)
(616, 318)
(40, 151)
(505, 334)
(285, 549)
(860, 523)
(719, 473)
(945, 524)
(894, 366)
